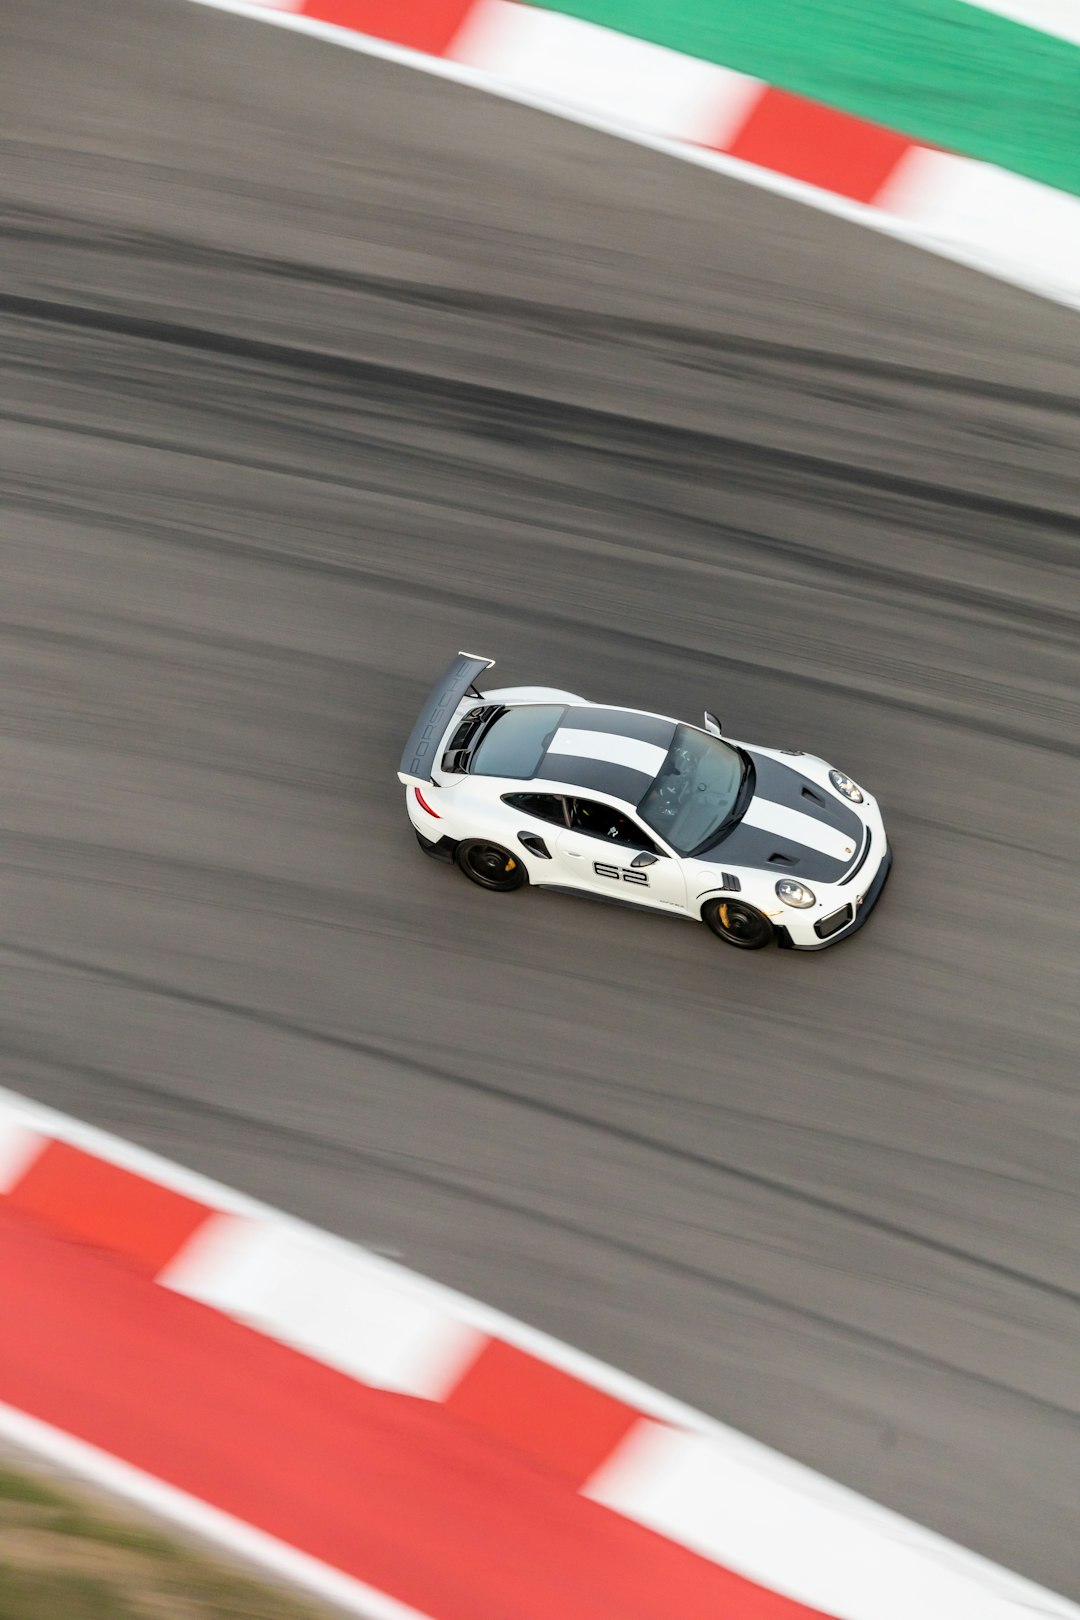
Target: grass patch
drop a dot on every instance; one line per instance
(65, 1558)
(21, 1488)
(73, 1596)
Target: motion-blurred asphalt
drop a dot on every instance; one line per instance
(318, 369)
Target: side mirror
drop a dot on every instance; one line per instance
(644, 859)
(712, 723)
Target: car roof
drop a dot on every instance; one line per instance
(617, 752)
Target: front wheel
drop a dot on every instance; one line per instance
(490, 865)
(738, 923)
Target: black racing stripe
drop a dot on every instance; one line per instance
(648, 728)
(619, 781)
(754, 847)
(783, 785)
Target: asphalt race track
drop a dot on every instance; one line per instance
(318, 369)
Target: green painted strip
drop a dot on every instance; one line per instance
(941, 71)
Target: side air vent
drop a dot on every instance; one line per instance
(534, 844)
(730, 883)
(778, 858)
(815, 797)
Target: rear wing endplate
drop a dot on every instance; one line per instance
(418, 759)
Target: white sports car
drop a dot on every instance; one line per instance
(531, 785)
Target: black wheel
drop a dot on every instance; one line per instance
(738, 923)
(490, 865)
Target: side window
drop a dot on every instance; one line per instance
(601, 821)
(545, 806)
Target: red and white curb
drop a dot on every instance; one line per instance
(985, 217)
(397, 1446)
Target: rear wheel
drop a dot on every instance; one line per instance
(738, 923)
(490, 865)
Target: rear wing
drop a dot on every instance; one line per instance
(453, 684)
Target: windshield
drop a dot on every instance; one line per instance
(517, 741)
(696, 791)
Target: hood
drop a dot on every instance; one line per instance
(792, 827)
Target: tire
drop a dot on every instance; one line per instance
(491, 866)
(738, 924)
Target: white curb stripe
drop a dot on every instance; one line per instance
(1001, 216)
(851, 1567)
(576, 63)
(328, 1303)
(19, 1147)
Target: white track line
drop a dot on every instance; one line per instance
(1060, 18)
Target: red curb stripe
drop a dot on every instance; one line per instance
(421, 25)
(808, 141)
(388, 1489)
(560, 1422)
(100, 1203)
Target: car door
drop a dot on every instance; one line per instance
(536, 821)
(597, 853)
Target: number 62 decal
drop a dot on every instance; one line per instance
(602, 869)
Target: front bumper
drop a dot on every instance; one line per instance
(862, 907)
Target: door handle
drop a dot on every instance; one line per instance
(572, 843)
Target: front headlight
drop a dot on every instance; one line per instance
(795, 894)
(843, 784)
